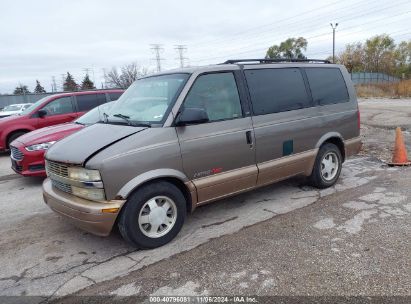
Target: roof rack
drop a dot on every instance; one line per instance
(279, 60)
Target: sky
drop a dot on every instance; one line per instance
(45, 38)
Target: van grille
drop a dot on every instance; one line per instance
(16, 154)
(57, 168)
(61, 186)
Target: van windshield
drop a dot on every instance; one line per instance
(34, 105)
(147, 101)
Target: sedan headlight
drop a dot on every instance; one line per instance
(89, 193)
(82, 174)
(38, 147)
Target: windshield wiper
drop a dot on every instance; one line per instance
(125, 117)
(131, 123)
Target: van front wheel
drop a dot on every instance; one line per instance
(153, 215)
(327, 167)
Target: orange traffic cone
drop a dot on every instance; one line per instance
(399, 157)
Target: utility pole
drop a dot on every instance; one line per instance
(181, 49)
(157, 48)
(334, 26)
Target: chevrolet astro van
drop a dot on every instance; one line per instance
(184, 138)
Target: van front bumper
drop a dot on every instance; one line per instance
(85, 214)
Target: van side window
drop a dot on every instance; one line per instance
(58, 106)
(327, 85)
(218, 94)
(90, 101)
(277, 90)
(114, 96)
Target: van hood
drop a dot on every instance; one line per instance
(47, 134)
(80, 146)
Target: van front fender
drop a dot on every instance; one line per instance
(128, 188)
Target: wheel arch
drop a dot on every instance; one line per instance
(172, 176)
(10, 133)
(333, 138)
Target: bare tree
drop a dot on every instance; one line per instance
(127, 75)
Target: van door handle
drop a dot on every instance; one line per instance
(249, 138)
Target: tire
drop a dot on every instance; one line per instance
(136, 225)
(328, 156)
(13, 136)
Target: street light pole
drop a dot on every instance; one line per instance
(334, 26)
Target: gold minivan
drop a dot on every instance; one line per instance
(183, 138)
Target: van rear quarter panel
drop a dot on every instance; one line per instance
(149, 150)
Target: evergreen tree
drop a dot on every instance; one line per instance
(70, 84)
(87, 84)
(21, 90)
(39, 89)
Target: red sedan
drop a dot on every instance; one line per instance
(52, 110)
(27, 151)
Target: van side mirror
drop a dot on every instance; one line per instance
(192, 116)
(42, 113)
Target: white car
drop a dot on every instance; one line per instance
(14, 109)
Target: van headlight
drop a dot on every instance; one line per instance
(89, 193)
(82, 174)
(38, 147)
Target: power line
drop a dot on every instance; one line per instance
(262, 48)
(257, 28)
(282, 23)
(181, 49)
(347, 17)
(157, 48)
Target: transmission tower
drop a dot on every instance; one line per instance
(181, 49)
(53, 84)
(157, 49)
(63, 80)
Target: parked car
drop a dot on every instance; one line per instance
(52, 110)
(27, 151)
(14, 109)
(184, 138)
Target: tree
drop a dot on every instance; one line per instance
(87, 84)
(403, 58)
(379, 54)
(292, 48)
(70, 84)
(39, 89)
(128, 74)
(21, 90)
(352, 57)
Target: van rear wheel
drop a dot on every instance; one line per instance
(153, 215)
(327, 167)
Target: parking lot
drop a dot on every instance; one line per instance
(284, 239)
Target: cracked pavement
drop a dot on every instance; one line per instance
(299, 241)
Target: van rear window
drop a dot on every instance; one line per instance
(277, 90)
(327, 85)
(90, 101)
